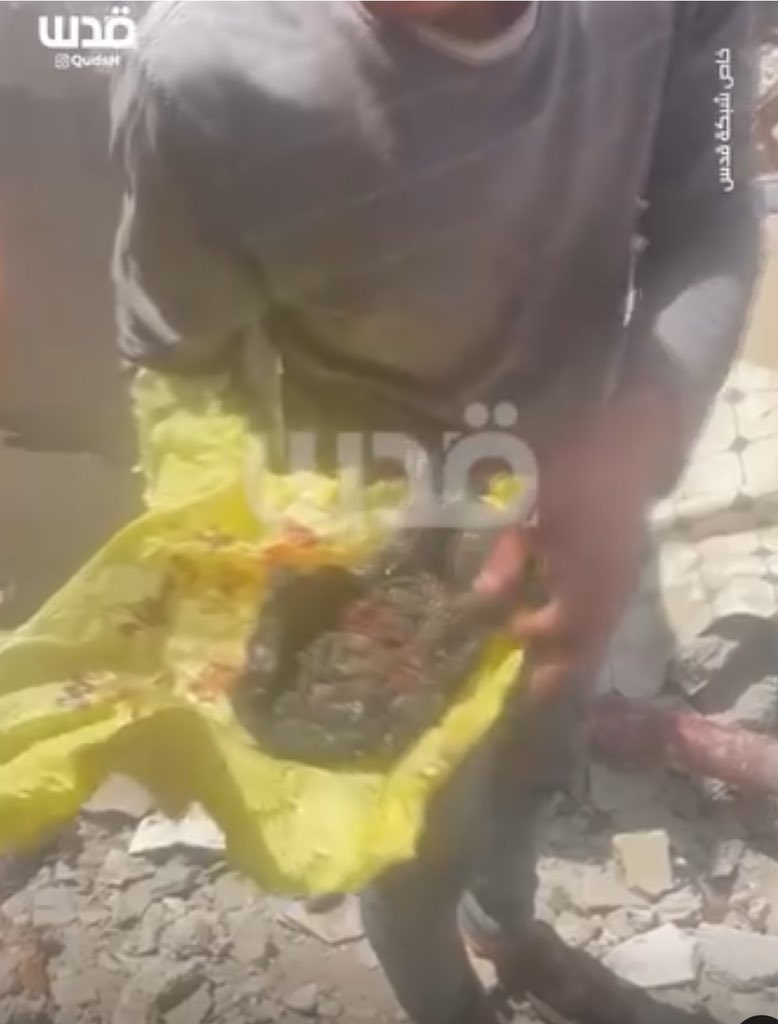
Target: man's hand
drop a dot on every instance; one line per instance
(594, 493)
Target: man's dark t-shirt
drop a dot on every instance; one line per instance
(405, 225)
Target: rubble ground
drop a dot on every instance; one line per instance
(666, 887)
(127, 917)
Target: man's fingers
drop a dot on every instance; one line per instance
(548, 626)
(548, 678)
(556, 648)
(505, 564)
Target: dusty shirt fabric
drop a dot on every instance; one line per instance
(405, 231)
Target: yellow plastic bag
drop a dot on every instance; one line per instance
(129, 667)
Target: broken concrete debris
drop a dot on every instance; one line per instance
(195, 1009)
(190, 934)
(756, 708)
(645, 860)
(23, 962)
(717, 669)
(758, 914)
(54, 907)
(303, 1000)
(175, 878)
(336, 926)
(366, 954)
(72, 990)
(664, 956)
(744, 960)
(130, 905)
(682, 907)
(598, 889)
(249, 935)
(157, 987)
(146, 940)
(120, 797)
(120, 869)
(196, 830)
(17, 908)
(725, 859)
(702, 659)
(575, 930)
(624, 922)
(611, 790)
(231, 892)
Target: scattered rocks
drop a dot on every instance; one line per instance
(258, 1011)
(23, 962)
(611, 790)
(174, 879)
(303, 1000)
(119, 797)
(702, 659)
(725, 859)
(158, 987)
(559, 900)
(754, 1004)
(64, 874)
(251, 942)
(191, 934)
(683, 907)
(120, 869)
(577, 931)
(130, 906)
(568, 833)
(329, 1008)
(73, 990)
(741, 959)
(195, 831)
(758, 914)
(195, 1009)
(91, 916)
(239, 992)
(718, 668)
(625, 922)
(74, 950)
(18, 907)
(366, 955)
(231, 892)
(756, 708)
(336, 926)
(645, 859)
(665, 956)
(601, 890)
(21, 1010)
(54, 907)
(147, 938)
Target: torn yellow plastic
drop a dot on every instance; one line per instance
(129, 667)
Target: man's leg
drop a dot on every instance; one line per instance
(410, 914)
(536, 753)
(410, 917)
